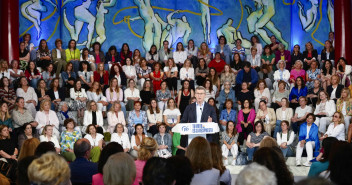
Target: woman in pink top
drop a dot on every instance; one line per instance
(147, 150)
(297, 71)
(245, 121)
(108, 150)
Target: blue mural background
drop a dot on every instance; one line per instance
(120, 26)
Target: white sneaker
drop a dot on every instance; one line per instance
(298, 163)
(233, 162)
(307, 164)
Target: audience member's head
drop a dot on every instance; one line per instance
(43, 148)
(181, 169)
(28, 148)
(119, 169)
(108, 150)
(217, 157)
(256, 174)
(327, 145)
(314, 181)
(340, 163)
(199, 153)
(268, 142)
(22, 170)
(274, 161)
(82, 148)
(49, 169)
(147, 149)
(156, 171)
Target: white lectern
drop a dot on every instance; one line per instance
(196, 129)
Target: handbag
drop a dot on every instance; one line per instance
(9, 169)
(242, 159)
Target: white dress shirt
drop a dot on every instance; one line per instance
(338, 131)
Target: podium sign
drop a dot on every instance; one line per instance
(196, 128)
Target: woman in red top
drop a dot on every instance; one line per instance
(217, 63)
(125, 53)
(101, 76)
(157, 77)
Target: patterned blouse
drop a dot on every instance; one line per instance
(143, 72)
(10, 95)
(231, 77)
(86, 75)
(339, 107)
(132, 116)
(228, 139)
(68, 139)
(43, 54)
(160, 95)
(257, 139)
(313, 76)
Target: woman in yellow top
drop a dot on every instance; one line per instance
(73, 55)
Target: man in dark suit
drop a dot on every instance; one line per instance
(82, 170)
(199, 112)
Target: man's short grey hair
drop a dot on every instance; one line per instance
(200, 88)
(256, 174)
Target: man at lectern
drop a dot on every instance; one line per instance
(200, 112)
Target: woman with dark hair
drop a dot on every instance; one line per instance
(237, 64)
(49, 74)
(96, 141)
(285, 139)
(267, 116)
(180, 55)
(162, 95)
(7, 93)
(192, 52)
(156, 76)
(108, 150)
(245, 121)
(137, 139)
(229, 142)
(117, 72)
(137, 116)
(261, 92)
(268, 57)
(267, 75)
(56, 93)
(120, 136)
(8, 147)
(125, 53)
(146, 94)
(238, 49)
(28, 94)
(68, 76)
(155, 117)
(301, 113)
(201, 72)
(209, 92)
(68, 139)
(86, 56)
(165, 53)
(309, 55)
(136, 57)
(85, 75)
(279, 93)
(328, 53)
(181, 169)
(24, 56)
(296, 54)
(225, 176)
(59, 57)
(254, 139)
(99, 55)
(327, 71)
(43, 55)
(308, 138)
(42, 93)
(223, 49)
(32, 74)
(73, 55)
(227, 114)
(164, 140)
(28, 132)
(256, 44)
(78, 99)
(199, 153)
(171, 73)
(212, 102)
(129, 69)
(112, 56)
(244, 94)
(96, 94)
(297, 91)
(274, 161)
(344, 71)
(312, 74)
(152, 56)
(184, 95)
(284, 113)
(20, 116)
(171, 114)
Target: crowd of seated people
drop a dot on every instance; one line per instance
(92, 98)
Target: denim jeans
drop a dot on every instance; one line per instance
(287, 152)
(250, 152)
(277, 128)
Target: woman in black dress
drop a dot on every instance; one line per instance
(184, 95)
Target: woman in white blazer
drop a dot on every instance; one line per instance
(261, 92)
(283, 113)
(116, 116)
(49, 137)
(324, 111)
(120, 136)
(88, 117)
(281, 74)
(45, 116)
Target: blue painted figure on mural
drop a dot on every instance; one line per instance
(231, 35)
(174, 29)
(82, 15)
(205, 13)
(308, 18)
(32, 9)
(260, 18)
(152, 28)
